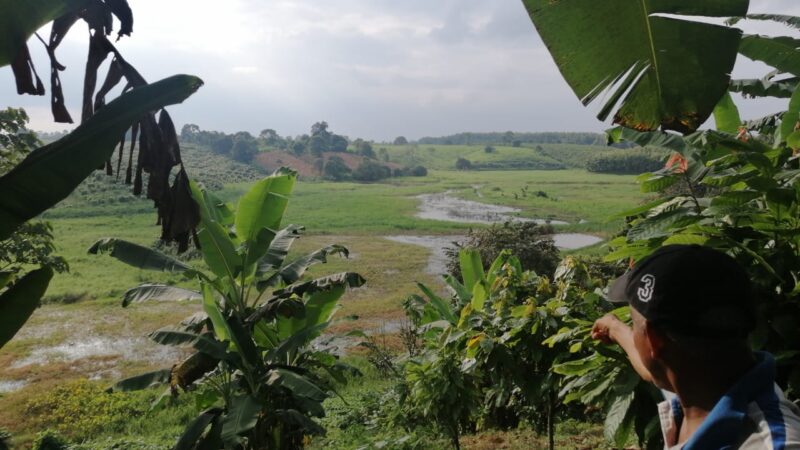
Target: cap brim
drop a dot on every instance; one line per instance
(616, 289)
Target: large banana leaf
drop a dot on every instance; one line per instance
(19, 20)
(50, 173)
(20, 300)
(779, 52)
(626, 49)
(138, 256)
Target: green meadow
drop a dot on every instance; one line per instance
(84, 305)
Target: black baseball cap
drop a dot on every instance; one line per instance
(689, 289)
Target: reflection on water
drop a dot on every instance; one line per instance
(447, 208)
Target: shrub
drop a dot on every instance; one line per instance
(463, 164)
(336, 169)
(81, 410)
(529, 242)
(630, 162)
(371, 171)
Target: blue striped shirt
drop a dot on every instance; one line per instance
(754, 414)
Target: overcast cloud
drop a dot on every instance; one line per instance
(371, 68)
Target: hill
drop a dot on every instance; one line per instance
(308, 166)
(101, 195)
(509, 137)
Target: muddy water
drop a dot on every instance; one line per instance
(445, 207)
(131, 349)
(437, 262)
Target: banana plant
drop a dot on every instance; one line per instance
(640, 58)
(253, 369)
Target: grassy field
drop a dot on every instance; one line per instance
(82, 332)
(544, 156)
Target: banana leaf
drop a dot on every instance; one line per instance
(50, 173)
(640, 58)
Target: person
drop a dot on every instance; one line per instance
(692, 311)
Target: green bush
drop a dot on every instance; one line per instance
(531, 243)
(631, 162)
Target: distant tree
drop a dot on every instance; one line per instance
(320, 129)
(222, 145)
(319, 166)
(508, 137)
(244, 148)
(516, 143)
(298, 147)
(243, 135)
(364, 148)
(383, 154)
(189, 132)
(338, 143)
(336, 169)
(400, 140)
(418, 171)
(317, 145)
(270, 138)
(463, 164)
(371, 171)
(539, 148)
(489, 149)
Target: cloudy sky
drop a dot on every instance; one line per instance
(371, 68)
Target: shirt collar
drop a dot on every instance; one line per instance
(722, 426)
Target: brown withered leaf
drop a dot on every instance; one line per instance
(60, 28)
(99, 49)
(25, 74)
(113, 78)
(122, 10)
(184, 214)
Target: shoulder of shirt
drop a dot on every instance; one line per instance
(761, 429)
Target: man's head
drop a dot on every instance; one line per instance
(691, 305)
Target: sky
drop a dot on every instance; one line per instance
(374, 69)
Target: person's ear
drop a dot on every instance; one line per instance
(656, 339)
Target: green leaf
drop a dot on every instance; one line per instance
(726, 115)
(778, 52)
(279, 248)
(298, 385)
(479, 296)
(791, 21)
(218, 210)
(790, 119)
(461, 291)
(441, 306)
(199, 342)
(471, 267)
(158, 292)
(143, 381)
(211, 308)
(619, 420)
(686, 239)
(138, 256)
(664, 224)
(656, 183)
(264, 204)
(626, 51)
(793, 140)
(659, 139)
(20, 300)
(295, 270)
(20, 20)
(761, 87)
(219, 251)
(319, 308)
(639, 210)
(194, 431)
(50, 173)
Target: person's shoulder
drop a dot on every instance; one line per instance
(774, 423)
(791, 421)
